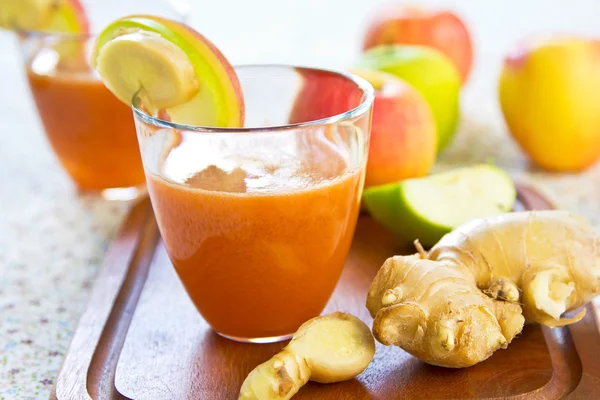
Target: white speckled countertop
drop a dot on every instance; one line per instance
(52, 242)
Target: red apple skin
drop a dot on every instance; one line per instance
(441, 29)
(323, 94)
(403, 132)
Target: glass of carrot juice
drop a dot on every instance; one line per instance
(91, 132)
(258, 220)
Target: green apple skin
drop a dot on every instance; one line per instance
(428, 208)
(431, 73)
(388, 206)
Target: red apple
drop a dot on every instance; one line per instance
(441, 29)
(323, 94)
(403, 133)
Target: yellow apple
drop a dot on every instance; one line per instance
(550, 96)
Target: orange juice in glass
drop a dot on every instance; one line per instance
(258, 220)
(91, 132)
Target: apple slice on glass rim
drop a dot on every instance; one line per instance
(179, 72)
(48, 16)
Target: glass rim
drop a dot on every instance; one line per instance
(359, 110)
(31, 33)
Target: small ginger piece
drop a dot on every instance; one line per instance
(325, 349)
(455, 305)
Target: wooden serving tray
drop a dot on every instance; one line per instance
(141, 338)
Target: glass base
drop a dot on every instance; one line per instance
(263, 340)
(117, 194)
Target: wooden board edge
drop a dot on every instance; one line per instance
(101, 371)
(577, 356)
(586, 336)
(532, 199)
(71, 381)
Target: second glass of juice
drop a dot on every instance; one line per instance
(258, 221)
(91, 132)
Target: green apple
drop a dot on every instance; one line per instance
(428, 208)
(431, 73)
(180, 71)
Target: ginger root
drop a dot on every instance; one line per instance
(326, 349)
(455, 305)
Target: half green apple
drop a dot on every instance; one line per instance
(66, 16)
(428, 208)
(179, 71)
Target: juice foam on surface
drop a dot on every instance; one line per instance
(255, 165)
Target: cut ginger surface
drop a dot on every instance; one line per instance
(326, 349)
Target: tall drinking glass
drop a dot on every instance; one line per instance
(91, 132)
(258, 221)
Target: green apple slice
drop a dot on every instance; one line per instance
(178, 70)
(65, 16)
(428, 208)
